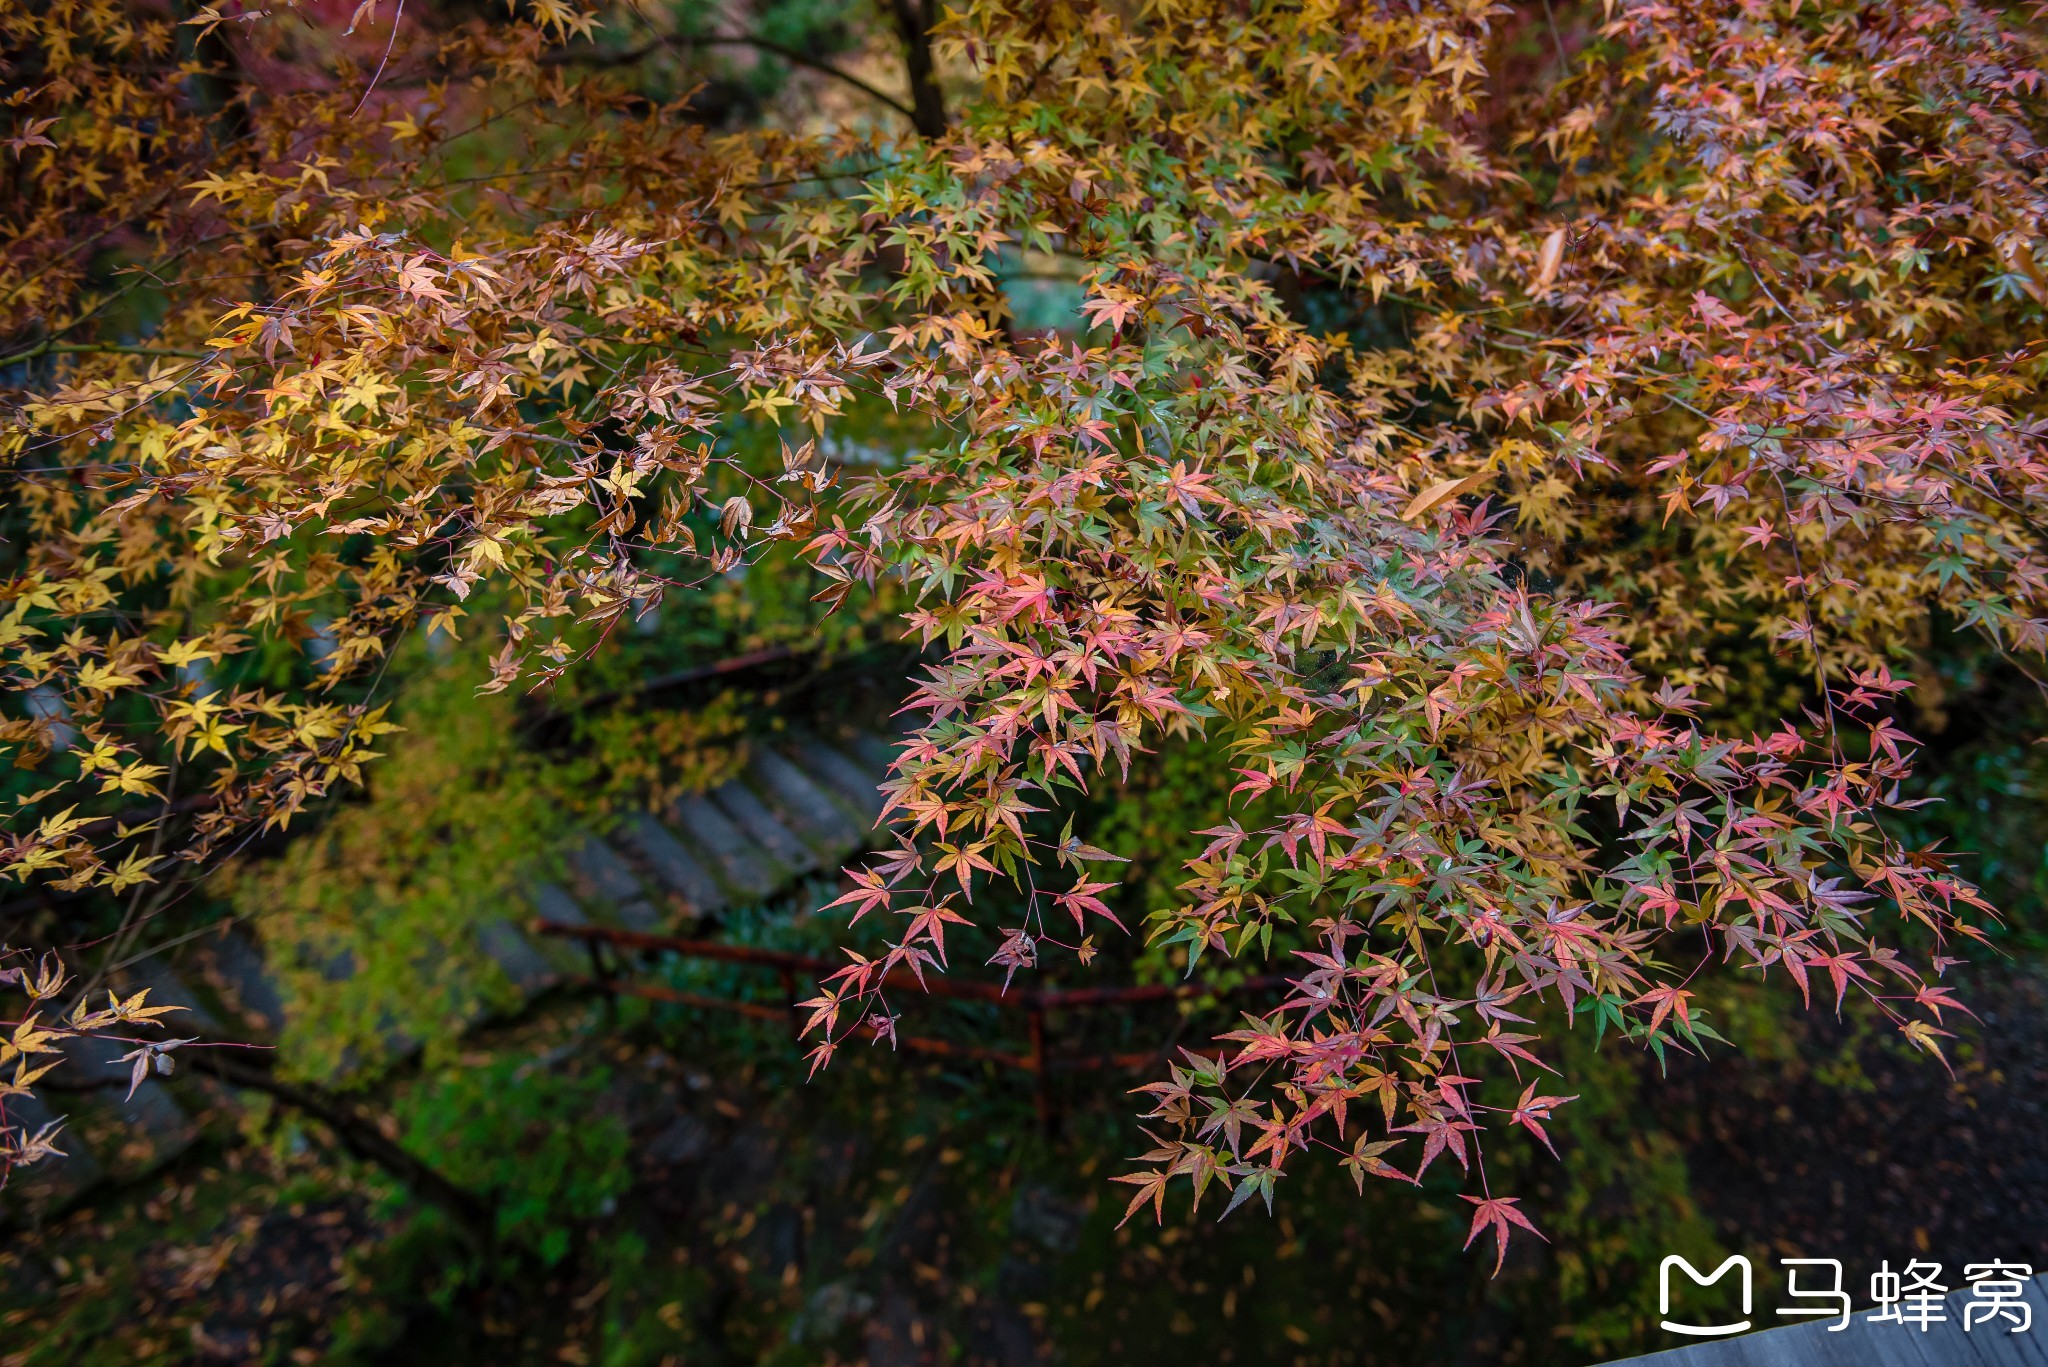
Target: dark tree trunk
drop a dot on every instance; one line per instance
(360, 1135)
(927, 105)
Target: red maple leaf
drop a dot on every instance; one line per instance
(1498, 1212)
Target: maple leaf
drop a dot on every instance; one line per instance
(1071, 849)
(31, 135)
(824, 1013)
(1938, 999)
(1715, 313)
(1438, 1137)
(1112, 307)
(1841, 968)
(417, 278)
(1548, 258)
(1217, 531)
(1151, 1187)
(33, 1148)
(1497, 1213)
(871, 891)
(930, 922)
(1531, 1110)
(1081, 899)
(1438, 493)
(1189, 489)
(1018, 950)
(1364, 1160)
(155, 1054)
(1230, 1116)
(1927, 1037)
(881, 1025)
(962, 861)
(1667, 999)
(1259, 1182)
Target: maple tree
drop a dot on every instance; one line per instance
(1708, 324)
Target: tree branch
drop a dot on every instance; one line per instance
(471, 1214)
(96, 348)
(914, 26)
(793, 56)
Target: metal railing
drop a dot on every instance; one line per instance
(1034, 1002)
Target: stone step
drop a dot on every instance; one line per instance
(844, 777)
(611, 892)
(809, 809)
(674, 865)
(876, 752)
(233, 967)
(750, 871)
(107, 1134)
(166, 988)
(50, 1184)
(551, 903)
(523, 965)
(600, 873)
(642, 916)
(90, 1064)
(792, 814)
(566, 958)
(753, 816)
(133, 1136)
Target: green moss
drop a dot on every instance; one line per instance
(371, 920)
(533, 1140)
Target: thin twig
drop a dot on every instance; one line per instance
(97, 348)
(1550, 17)
(389, 43)
(787, 54)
